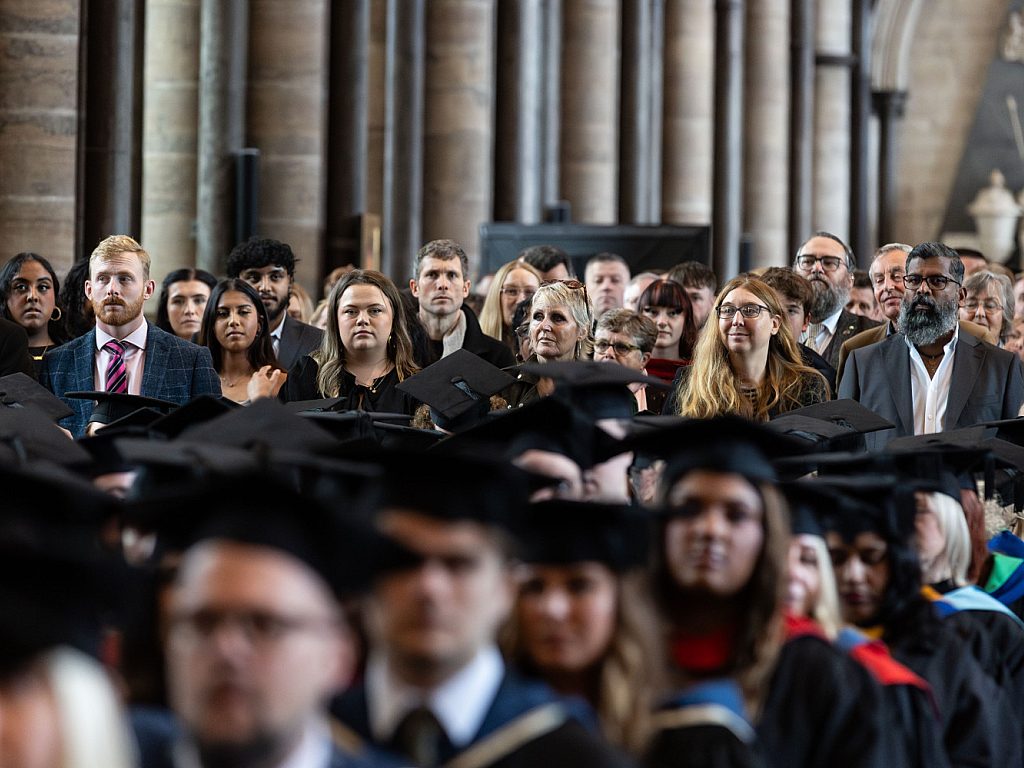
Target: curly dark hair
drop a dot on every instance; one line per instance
(10, 270)
(163, 320)
(74, 304)
(261, 352)
(257, 252)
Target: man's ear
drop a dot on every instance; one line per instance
(414, 287)
(148, 289)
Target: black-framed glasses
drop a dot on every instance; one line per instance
(935, 282)
(620, 347)
(749, 311)
(807, 261)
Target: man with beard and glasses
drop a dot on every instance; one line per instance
(929, 377)
(269, 267)
(124, 353)
(827, 263)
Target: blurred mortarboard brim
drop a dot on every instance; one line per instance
(196, 411)
(852, 419)
(18, 390)
(601, 390)
(265, 423)
(111, 406)
(27, 436)
(561, 532)
(458, 389)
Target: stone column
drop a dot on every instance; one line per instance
(688, 124)
(801, 123)
(519, 110)
(551, 162)
(831, 196)
(860, 121)
(727, 216)
(590, 108)
(889, 105)
(222, 65)
(403, 136)
(111, 100)
(170, 129)
(39, 128)
(766, 131)
(347, 125)
(286, 120)
(458, 140)
(375, 107)
(636, 113)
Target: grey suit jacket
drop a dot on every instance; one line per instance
(175, 370)
(297, 341)
(849, 325)
(987, 384)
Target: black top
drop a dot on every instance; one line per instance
(383, 397)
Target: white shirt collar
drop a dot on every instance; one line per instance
(832, 321)
(136, 338)
(276, 333)
(460, 703)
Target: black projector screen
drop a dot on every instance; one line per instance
(653, 247)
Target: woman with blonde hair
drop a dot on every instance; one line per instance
(747, 363)
(561, 318)
(365, 352)
(514, 282)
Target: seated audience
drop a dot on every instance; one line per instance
(989, 303)
(29, 296)
(666, 303)
(626, 338)
(183, 297)
(513, 283)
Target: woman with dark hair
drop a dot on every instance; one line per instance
(666, 303)
(30, 291)
(77, 310)
(236, 330)
(183, 297)
(755, 687)
(365, 352)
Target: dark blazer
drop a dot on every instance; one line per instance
(987, 384)
(849, 325)
(480, 344)
(14, 356)
(297, 341)
(175, 370)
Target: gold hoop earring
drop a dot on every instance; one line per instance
(59, 314)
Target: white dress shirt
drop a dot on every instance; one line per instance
(134, 358)
(275, 335)
(930, 394)
(460, 703)
(826, 330)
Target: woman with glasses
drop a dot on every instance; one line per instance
(666, 303)
(561, 317)
(513, 283)
(989, 303)
(627, 338)
(748, 363)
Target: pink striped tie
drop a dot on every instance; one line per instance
(117, 372)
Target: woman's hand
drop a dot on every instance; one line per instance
(266, 382)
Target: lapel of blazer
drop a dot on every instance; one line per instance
(968, 358)
(896, 361)
(289, 343)
(83, 366)
(156, 362)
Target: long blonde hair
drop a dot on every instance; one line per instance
(330, 357)
(712, 387)
(491, 321)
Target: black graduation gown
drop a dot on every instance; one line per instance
(301, 385)
(972, 709)
(559, 737)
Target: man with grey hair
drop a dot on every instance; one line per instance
(828, 263)
(928, 377)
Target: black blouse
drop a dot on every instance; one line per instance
(382, 397)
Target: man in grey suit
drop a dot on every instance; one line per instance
(827, 263)
(269, 267)
(930, 377)
(124, 353)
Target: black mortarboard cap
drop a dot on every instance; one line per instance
(598, 389)
(946, 459)
(55, 496)
(111, 406)
(196, 411)
(562, 532)
(264, 424)
(841, 424)
(458, 389)
(27, 436)
(18, 390)
(882, 504)
(808, 501)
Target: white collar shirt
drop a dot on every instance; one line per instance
(930, 394)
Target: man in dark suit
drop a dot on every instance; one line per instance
(929, 377)
(441, 285)
(124, 353)
(269, 267)
(828, 263)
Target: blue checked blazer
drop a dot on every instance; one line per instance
(175, 370)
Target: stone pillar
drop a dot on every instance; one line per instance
(832, 119)
(347, 124)
(551, 138)
(801, 123)
(111, 100)
(222, 65)
(860, 122)
(458, 141)
(727, 216)
(286, 119)
(889, 105)
(403, 136)
(688, 124)
(519, 110)
(39, 128)
(375, 107)
(170, 129)
(590, 108)
(766, 134)
(636, 113)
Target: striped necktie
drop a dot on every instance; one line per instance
(812, 335)
(117, 371)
